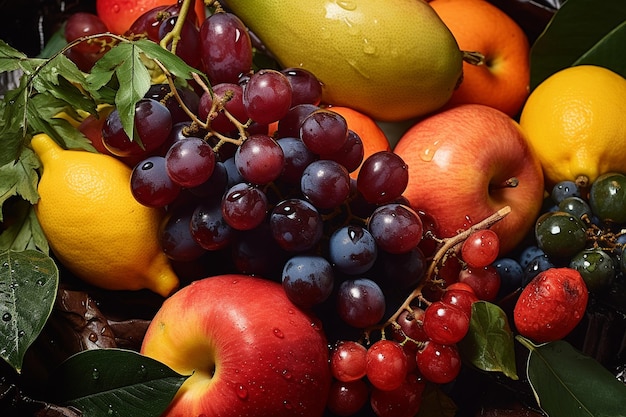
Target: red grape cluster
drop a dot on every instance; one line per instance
(256, 171)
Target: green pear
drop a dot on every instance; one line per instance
(393, 60)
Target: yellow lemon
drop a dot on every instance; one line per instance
(93, 223)
(575, 122)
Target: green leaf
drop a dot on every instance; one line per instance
(124, 62)
(116, 382)
(28, 285)
(567, 383)
(13, 128)
(22, 229)
(20, 178)
(174, 64)
(435, 403)
(10, 57)
(489, 343)
(581, 32)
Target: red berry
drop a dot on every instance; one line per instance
(404, 401)
(460, 298)
(386, 365)
(445, 323)
(481, 248)
(347, 398)
(484, 281)
(551, 305)
(348, 361)
(439, 363)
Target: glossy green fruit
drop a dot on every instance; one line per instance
(607, 197)
(560, 235)
(596, 267)
(393, 60)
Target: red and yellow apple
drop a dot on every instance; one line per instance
(466, 163)
(248, 349)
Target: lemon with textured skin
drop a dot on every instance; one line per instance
(94, 225)
(393, 60)
(574, 120)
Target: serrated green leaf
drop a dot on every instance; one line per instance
(55, 44)
(581, 32)
(9, 57)
(116, 382)
(13, 128)
(174, 64)
(489, 343)
(28, 285)
(22, 229)
(20, 178)
(567, 383)
(59, 78)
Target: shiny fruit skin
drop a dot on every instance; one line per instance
(502, 80)
(248, 349)
(459, 161)
(93, 223)
(404, 68)
(119, 15)
(373, 137)
(574, 120)
(551, 305)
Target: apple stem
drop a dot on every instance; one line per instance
(509, 183)
(473, 57)
(447, 248)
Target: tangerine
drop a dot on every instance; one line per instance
(502, 79)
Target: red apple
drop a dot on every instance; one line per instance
(466, 163)
(248, 349)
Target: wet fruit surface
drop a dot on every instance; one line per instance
(551, 305)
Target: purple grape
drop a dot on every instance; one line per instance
(360, 302)
(307, 280)
(396, 228)
(383, 177)
(151, 185)
(352, 249)
(225, 47)
(267, 96)
(259, 159)
(190, 162)
(326, 184)
(324, 131)
(244, 206)
(209, 228)
(296, 225)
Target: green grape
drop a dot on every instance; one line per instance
(560, 234)
(575, 206)
(607, 197)
(596, 267)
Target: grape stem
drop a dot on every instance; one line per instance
(173, 36)
(447, 247)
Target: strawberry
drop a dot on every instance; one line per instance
(551, 305)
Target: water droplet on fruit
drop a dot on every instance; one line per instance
(347, 5)
(278, 333)
(428, 153)
(242, 392)
(93, 337)
(95, 373)
(6, 317)
(368, 48)
(288, 405)
(116, 8)
(287, 375)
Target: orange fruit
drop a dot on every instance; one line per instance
(372, 136)
(119, 15)
(503, 80)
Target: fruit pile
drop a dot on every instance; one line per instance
(204, 217)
